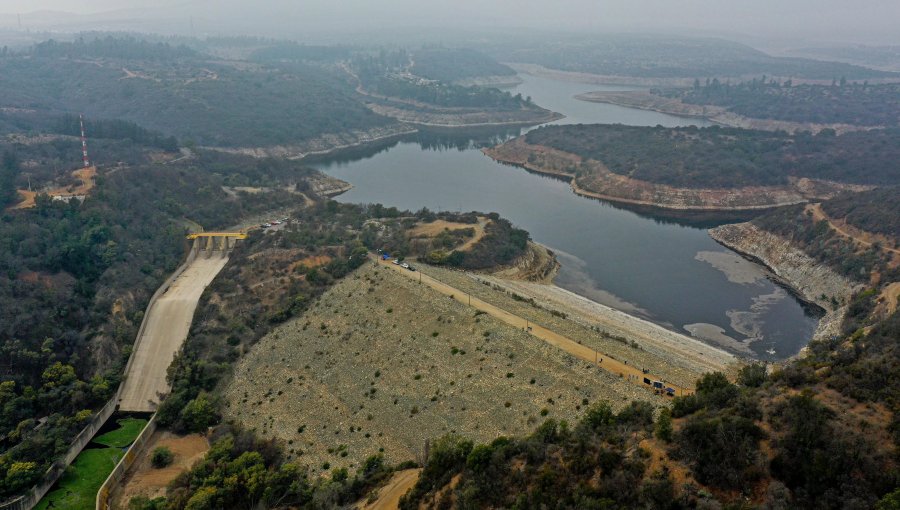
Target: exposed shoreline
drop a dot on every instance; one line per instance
(456, 119)
(805, 278)
(608, 79)
(643, 100)
(625, 190)
(326, 145)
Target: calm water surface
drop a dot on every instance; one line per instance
(669, 272)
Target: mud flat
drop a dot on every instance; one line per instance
(809, 279)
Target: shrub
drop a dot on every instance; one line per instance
(664, 426)
(162, 457)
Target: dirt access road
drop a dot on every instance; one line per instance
(572, 347)
(864, 238)
(389, 495)
(167, 328)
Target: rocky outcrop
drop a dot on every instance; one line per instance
(811, 280)
(537, 264)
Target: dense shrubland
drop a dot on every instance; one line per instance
(74, 281)
(870, 211)
(729, 157)
(646, 56)
(449, 64)
(384, 74)
(841, 102)
(179, 93)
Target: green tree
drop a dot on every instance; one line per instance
(21, 475)
(664, 425)
(199, 414)
(9, 170)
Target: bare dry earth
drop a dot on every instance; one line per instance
(362, 372)
(674, 357)
(145, 480)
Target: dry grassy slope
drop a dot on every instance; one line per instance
(320, 371)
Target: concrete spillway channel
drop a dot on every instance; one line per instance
(166, 327)
(163, 331)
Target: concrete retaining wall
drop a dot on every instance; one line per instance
(84, 437)
(113, 481)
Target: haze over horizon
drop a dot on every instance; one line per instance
(765, 22)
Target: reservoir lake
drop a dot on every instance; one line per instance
(667, 270)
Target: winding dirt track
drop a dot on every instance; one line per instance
(851, 233)
(389, 495)
(572, 347)
(167, 328)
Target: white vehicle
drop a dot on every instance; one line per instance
(276, 222)
(267, 225)
(404, 265)
(394, 261)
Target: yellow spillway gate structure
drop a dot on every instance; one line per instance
(214, 242)
(236, 235)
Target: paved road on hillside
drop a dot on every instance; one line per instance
(551, 337)
(168, 323)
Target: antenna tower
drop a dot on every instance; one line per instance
(84, 154)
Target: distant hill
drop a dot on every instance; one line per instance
(855, 103)
(648, 56)
(717, 157)
(178, 92)
(446, 64)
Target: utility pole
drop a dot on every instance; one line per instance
(84, 153)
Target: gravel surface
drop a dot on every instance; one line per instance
(675, 357)
(382, 362)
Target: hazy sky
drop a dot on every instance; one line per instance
(845, 20)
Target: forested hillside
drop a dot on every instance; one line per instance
(647, 56)
(840, 103)
(178, 92)
(871, 212)
(75, 278)
(727, 157)
(876, 211)
(389, 74)
(449, 64)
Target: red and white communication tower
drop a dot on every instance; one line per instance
(84, 155)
